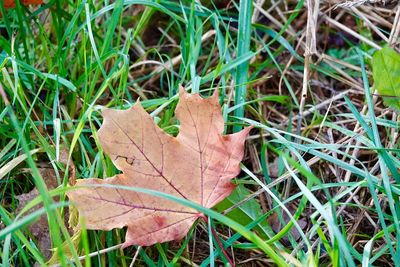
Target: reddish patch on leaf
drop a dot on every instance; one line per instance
(159, 220)
(11, 3)
(197, 165)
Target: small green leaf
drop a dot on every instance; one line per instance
(246, 212)
(386, 74)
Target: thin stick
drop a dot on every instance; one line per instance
(96, 253)
(369, 23)
(135, 257)
(351, 32)
(312, 17)
(394, 34)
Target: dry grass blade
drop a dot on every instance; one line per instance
(9, 166)
(310, 50)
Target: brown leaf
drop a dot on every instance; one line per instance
(197, 165)
(11, 3)
(40, 228)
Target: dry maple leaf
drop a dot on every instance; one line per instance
(11, 3)
(40, 228)
(197, 165)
